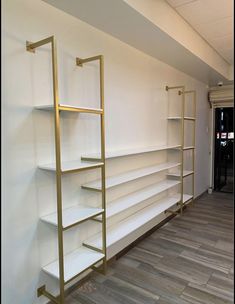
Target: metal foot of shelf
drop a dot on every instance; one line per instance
(101, 269)
(171, 211)
(41, 291)
(188, 203)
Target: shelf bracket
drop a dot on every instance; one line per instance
(41, 291)
(28, 47)
(31, 46)
(79, 62)
(177, 87)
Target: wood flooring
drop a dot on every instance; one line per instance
(189, 260)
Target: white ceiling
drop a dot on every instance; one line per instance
(138, 31)
(213, 20)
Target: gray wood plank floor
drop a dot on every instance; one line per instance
(188, 260)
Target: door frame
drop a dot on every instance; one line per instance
(212, 138)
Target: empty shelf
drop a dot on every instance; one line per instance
(186, 197)
(121, 153)
(72, 166)
(63, 107)
(189, 148)
(184, 148)
(74, 263)
(129, 176)
(178, 174)
(125, 227)
(137, 197)
(73, 216)
(179, 118)
(189, 118)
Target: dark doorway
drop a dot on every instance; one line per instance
(224, 138)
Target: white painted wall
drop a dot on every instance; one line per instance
(136, 109)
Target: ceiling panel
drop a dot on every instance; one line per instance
(217, 28)
(224, 42)
(212, 19)
(176, 3)
(228, 54)
(206, 11)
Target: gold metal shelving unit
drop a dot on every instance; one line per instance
(193, 120)
(71, 266)
(185, 198)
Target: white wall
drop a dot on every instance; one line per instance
(136, 107)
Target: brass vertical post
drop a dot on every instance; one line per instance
(58, 170)
(80, 62)
(57, 107)
(102, 126)
(194, 143)
(181, 92)
(30, 46)
(182, 149)
(194, 140)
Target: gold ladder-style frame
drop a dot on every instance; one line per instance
(182, 92)
(193, 120)
(31, 46)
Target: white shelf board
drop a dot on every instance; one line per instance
(129, 176)
(189, 118)
(189, 148)
(64, 107)
(179, 118)
(74, 263)
(72, 216)
(137, 197)
(72, 166)
(127, 152)
(186, 197)
(177, 174)
(120, 230)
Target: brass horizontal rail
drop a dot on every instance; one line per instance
(92, 248)
(188, 148)
(31, 46)
(92, 189)
(80, 61)
(84, 220)
(81, 110)
(91, 158)
(82, 169)
(172, 88)
(188, 174)
(96, 220)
